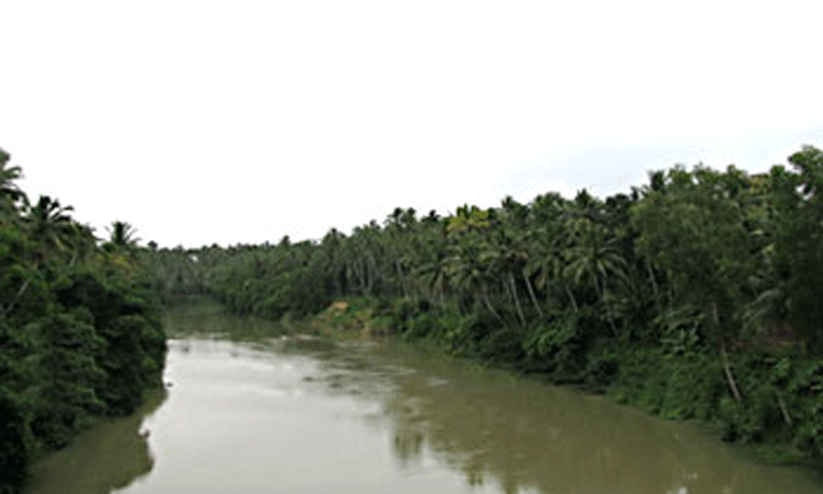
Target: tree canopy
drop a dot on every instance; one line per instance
(80, 332)
(700, 270)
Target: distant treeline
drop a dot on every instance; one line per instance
(80, 332)
(697, 295)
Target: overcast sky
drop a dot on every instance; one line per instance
(243, 121)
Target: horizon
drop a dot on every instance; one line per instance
(567, 193)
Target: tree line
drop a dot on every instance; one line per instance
(695, 295)
(80, 332)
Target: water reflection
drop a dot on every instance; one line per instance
(530, 437)
(266, 412)
(204, 318)
(110, 456)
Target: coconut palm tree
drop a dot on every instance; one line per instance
(470, 266)
(548, 248)
(122, 235)
(9, 192)
(592, 253)
(50, 225)
(55, 234)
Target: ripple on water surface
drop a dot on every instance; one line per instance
(284, 415)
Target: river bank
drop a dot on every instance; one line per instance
(256, 405)
(695, 296)
(779, 417)
(80, 336)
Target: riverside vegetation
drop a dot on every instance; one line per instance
(695, 296)
(80, 333)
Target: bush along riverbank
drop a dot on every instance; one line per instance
(694, 296)
(779, 411)
(80, 333)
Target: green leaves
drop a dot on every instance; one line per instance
(694, 231)
(79, 334)
(669, 290)
(797, 256)
(10, 193)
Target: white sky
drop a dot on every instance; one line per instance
(243, 121)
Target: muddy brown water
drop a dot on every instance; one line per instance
(251, 412)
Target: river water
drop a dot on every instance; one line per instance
(247, 411)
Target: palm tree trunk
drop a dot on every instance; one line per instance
(504, 285)
(601, 292)
(485, 297)
(517, 300)
(376, 274)
(20, 293)
(786, 417)
(651, 278)
(609, 316)
(728, 371)
(532, 296)
(571, 296)
(400, 278)
(726, 367)
(357, 269)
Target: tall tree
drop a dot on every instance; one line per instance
(10, 193)
(593, 258)
(797, 254)
(52, 227)
(122, 235)
(691, 231)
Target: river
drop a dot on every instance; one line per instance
(248, 411)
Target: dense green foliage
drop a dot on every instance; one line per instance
(694, 296)
(80, 332)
